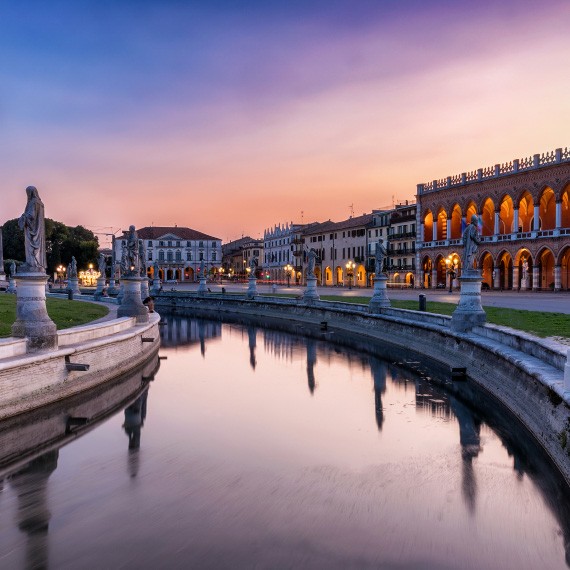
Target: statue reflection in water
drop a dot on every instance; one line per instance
(135, 415)
(379, 373)
(311, 361)
(252, 341)
(33, 516)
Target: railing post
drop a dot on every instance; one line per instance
(536, 161)
(479, 174)
(516, 165)
(463, 177)
(558, 155)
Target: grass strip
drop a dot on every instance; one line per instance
(64, 313)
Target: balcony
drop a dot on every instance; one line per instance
(402, 235)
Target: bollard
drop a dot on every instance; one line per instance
(70, 295)
(423, 303)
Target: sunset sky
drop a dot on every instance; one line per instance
(230, 117)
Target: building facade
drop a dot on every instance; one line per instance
(523, 208)
(402, 245)
(179, 252)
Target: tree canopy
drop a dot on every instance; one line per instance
(62, 242)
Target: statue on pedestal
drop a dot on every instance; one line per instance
(142, 258)
(12, 270)
(133, 258)
(102, 265)
(380, 255)
(72, 269)
(471, 240)
(311, 261)
(32, 222)
(253, 265)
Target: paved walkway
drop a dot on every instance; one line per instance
(539, 301)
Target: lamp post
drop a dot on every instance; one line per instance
(350, 265)
(221, 275)
(60, 273)
(288, 269)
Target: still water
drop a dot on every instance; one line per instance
(253, 447)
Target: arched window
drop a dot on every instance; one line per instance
(169, 256)
(161, 256)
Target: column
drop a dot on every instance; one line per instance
(535, 277)
(496, 227)
(433, 278)
(515, 277)
(557, 278)
(516, 221)
(422, 229)
(558, 223)
(448, 229)
(434, 228)
(536, 220)
(497, 279)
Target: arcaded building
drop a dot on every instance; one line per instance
(524, 220)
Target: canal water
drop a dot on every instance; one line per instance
(255, 447)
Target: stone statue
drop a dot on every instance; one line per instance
(133, 258)
(72, 270)
(471, 240)
(253, 265)
(380, 255)
(202, 268)
(12, 269)
(32, 222)
(124, 265)
(525, 269)
(102, 265)
(142, 258)
(311, 261)
(155, 271)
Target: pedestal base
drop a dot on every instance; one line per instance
(73, 286)
(11, 286)
(144, 288)
(131, 305)
(32, 320)
(100, 287)
(469, 312)
(310, 293)
(155, 290)
(202, 289)
(379, 299)
(251, 288)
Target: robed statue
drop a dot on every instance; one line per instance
(102, 265)
(471, 240)
(155, 271)
(252, 265)
(202, 268)
(311, 261)
(379, 257)
(133, 258)
(142, 258)
(12, 269)
(32, 222)
(72, 268)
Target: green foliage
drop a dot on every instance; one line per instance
(63, 312)
(62, 243)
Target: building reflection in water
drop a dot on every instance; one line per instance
(182, 331)
(31, 487)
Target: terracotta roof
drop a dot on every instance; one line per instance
(158, 232)
(363, 220)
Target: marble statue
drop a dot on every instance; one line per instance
(202, 268)
(253, 265)
(72, 269)
(12, 269)
(124, 265)
(311, 261)
(155, 271)
(142, 258)
(102, 265)
(380, 255)
(471, 240)
(525, 269)
(32, 222)
(133, 259)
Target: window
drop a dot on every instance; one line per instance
(178, 256)
(188, 244)
(177, 244)
(201, 244)
(161, 243)
(214, 244)
(161, 255)
(213, 256)
(150, 255)
(169, 256)
(201, 256)
(169, 243)
(149, 243)
(188, 256)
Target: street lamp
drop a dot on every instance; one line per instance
(221, 275)
(288, 269)
(350, 265)
(60, 273)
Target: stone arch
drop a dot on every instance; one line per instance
(396, 278)
(339, 275)
(318, 274)
(441, 271)
(488, 217)
(427, 266)
(428, 226)
(328, 276)
(360, 276)
(441, 224)
(545, 260)
(410, 279)
(565, 207)
(456, 222)
(526, 212)
(547, 209)
(189, 273)
(504, 266)
(506, 215)
(487, 265)
(523, 256)
(564, 262)
(470, 210)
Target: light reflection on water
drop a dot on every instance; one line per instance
(254, 447)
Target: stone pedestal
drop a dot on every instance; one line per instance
(310, 293)
(11, 286)
(379, 298)
(32, 320)
(251, 287)
(202, 289)
(567, 373)
(73, 286)
(121, 293)
(100, 286)
(144, 288)
(155, 290)
(131, 305)
(469, 312)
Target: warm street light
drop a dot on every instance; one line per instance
(60, 273)
(288, 269)
(221, 275)
(450, 271)
(350, 265)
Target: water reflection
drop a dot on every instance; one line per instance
(378, 467)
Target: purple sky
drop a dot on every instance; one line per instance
(230, 117)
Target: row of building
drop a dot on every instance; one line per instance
(524, 212)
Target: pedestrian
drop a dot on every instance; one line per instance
(149, 303)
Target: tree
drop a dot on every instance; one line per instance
(62, 242)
